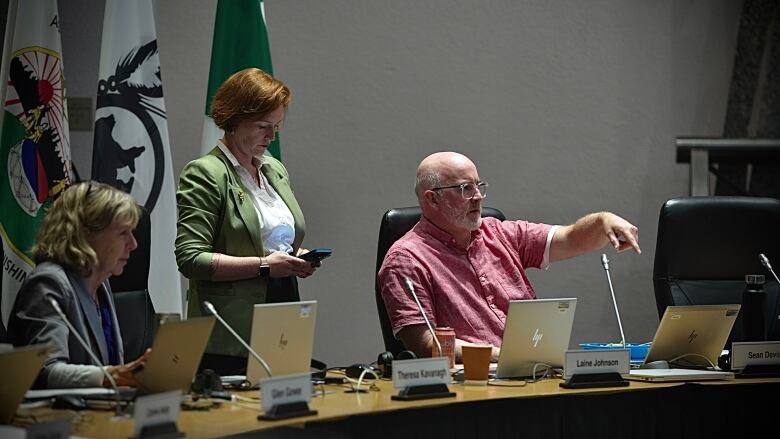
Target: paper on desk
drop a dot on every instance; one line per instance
(51, 393)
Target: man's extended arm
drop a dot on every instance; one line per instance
(593, 232)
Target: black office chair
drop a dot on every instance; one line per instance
(395, 223)
(706, 246)
(134, 308)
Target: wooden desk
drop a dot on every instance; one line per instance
(541, 410)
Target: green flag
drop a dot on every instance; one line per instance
(240, 41)
(34, 138)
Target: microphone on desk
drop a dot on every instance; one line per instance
(410, 287)
(210, 308)
(53, 301)
(605, 263)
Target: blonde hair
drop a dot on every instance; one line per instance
(81, 209)
(247, 95)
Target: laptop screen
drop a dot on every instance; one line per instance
(283, 336)
(19, 367)
(536, 332)
(176, 352)
(692, 335)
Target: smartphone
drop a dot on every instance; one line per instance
(316, 254)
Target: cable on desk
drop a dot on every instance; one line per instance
(503, 382)
(362, 374)
(681, 358)
(549, 372)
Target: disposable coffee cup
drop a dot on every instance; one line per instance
(476, 364)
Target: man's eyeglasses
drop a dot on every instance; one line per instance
(468, 190)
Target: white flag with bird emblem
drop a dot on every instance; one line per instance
(131, 148)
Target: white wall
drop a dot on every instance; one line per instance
(566, 107)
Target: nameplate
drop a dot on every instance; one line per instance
(55, 429)
(421, 372)
(285, 389)
(589, 361)
(157, 409)
(756, 353)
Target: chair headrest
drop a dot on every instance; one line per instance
(716, 237)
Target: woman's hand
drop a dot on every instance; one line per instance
(124, 374)
(283, 265)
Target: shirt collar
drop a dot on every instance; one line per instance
(258, 161)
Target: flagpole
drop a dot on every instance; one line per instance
(10, 26)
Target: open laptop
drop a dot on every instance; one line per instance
(18, 368)
(283, 336)
(690, 338)
(176, 352)
(536, 332)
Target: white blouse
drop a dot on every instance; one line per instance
(277, 226)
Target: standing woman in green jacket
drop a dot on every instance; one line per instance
(240, 227)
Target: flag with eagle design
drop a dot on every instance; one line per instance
(131, 149)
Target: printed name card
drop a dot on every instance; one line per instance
(157, 409)
(285, 389)
(756, 353)
(597, 361)
(421, 372)
(55, 429)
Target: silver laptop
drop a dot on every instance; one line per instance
(283, 336)
(19, 367)
(670, 375)
(692, 335)
(176, 352)
(536, 332)
(690, 339)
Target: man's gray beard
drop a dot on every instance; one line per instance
(463, 219)
(472, 225)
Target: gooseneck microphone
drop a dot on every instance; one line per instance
(53, 301)
(210, 308)
(410, 286)
(605, 263)
(765, 262)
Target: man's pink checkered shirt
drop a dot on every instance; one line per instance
(466, 289)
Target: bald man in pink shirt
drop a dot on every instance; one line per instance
(465, 269)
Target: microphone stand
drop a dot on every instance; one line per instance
(605, 263)
(418, 392)
(118, 413)
(765, 262)
(600, 379)
(210, 308)
(409, 285)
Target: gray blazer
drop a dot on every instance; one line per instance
(34, 321)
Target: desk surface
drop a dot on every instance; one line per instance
(241, 417)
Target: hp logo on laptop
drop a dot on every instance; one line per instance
(282, 342)
(692, 336)
(537, 337)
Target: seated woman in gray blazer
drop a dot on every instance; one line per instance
(85, 237)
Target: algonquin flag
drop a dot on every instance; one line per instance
(35, 161)
(131, 149)
(240, 41)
